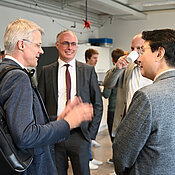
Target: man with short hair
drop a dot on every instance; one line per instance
(91, 57)
(127, 79)
(145, 139)
(26, 116)
(82, 82)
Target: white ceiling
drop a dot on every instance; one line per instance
(98, 11)
(140, 5)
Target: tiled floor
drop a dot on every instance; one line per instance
(101, 153)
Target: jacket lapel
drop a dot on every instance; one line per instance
(55, 79)
(78, 76)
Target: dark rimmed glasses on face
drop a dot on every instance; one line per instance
(37, 44)
(67, 44)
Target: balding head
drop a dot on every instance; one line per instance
(137, 42)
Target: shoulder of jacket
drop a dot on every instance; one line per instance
(50, 65)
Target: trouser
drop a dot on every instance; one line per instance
(110, 119)
(77, 149)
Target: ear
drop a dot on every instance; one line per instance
(160, 54)
(20, 45)
(113, 61)
(56, 44)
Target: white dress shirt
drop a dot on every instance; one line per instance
(136, 82)
(62, 83)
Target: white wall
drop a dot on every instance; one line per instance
(122, 31)
(51, 28)
(103, 63)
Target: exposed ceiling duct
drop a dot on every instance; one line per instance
(74, 10)
(99, 11)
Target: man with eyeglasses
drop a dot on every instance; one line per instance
(127, 78)
(62, 81)
(145, 139)
(26, 116)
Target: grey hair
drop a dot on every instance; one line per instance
(17, 30)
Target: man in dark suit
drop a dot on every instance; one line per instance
(26, 117)
(52, 86)
(145, 138)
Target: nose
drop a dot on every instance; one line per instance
(69, 46)
(138, 59)
(41, 51)
(135, 49)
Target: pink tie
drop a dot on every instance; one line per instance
(68, 83)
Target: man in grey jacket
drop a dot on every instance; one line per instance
(127, 79)
(145, 139)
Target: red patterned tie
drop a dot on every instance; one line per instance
(68, 83)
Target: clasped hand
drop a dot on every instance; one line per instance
(76, 112)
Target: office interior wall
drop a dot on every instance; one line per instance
(122, 31)
(50, 25)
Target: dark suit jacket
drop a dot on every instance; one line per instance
(28, 121)
(87, 88)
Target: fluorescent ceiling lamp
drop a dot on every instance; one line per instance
(158, 3)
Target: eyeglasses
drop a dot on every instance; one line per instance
(67, 44)
(134, 48)
(142, 50)
(37, 44)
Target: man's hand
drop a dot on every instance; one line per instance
(81, 112)
(122, 62)
(69, 106)
(76, 112)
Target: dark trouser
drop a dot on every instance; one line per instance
(77, 149)
(110, 119)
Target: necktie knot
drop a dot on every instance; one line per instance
(67, 65)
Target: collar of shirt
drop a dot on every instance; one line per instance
(62, 63)
(11, 58)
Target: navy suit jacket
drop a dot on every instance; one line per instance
(87, 89)
(28, 120)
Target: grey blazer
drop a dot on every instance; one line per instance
(145, 139)
(28, 121)
(87, 89)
